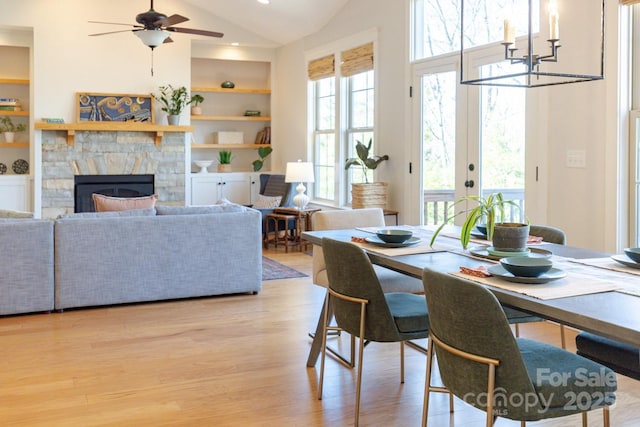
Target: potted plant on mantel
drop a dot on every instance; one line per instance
(173, 101)
(506, 236)
(9, 129)
(367, 194)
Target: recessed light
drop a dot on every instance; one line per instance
(264, 1)
(235, 44)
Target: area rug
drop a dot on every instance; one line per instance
(273, 270)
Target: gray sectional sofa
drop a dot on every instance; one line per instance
(109, 258)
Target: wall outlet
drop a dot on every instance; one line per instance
(576, 159)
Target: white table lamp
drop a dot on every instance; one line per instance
(300, 172)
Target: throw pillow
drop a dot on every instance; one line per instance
(108, 203)
(9, 213)
(267, 202)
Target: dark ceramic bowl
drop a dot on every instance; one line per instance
(482, 228)
(633, 253)
(523, 266)
(392, 235)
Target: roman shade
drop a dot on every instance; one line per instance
(357, 60)
(322, 67)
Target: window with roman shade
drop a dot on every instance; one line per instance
(322, 67)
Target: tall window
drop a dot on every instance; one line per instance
(342, 99)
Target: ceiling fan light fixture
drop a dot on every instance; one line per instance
(152, 38)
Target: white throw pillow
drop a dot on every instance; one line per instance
(266, 202)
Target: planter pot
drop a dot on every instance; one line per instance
(196, 111)
(9, 136)
(510, 236)
(224, 168)
(174, 120)
(370, 195)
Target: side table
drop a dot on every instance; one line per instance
(291, 236)
(303, 222)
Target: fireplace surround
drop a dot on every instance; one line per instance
(109, 185)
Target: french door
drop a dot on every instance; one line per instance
(471, 139)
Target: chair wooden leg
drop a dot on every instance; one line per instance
(584, 419)
(325, 316)
(605, 416)
(517, 328)
(563, 341)
(401, 362)
(359, 365)
(490, 387)
(427, 383)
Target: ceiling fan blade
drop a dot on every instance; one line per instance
(168, 40)
(113, 23)
(171, 20)
(111, 32)
(192, 31)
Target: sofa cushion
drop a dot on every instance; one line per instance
(199, 210)
(267, 202)
(111, 214)
(107, 203)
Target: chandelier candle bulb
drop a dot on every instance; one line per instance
(509, 32)
(554, 27)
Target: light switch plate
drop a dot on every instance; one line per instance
(576, 159)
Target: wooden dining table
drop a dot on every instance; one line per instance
(614, 313)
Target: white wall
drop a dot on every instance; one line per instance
(581, 116)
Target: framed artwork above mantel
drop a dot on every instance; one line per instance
(109, 107)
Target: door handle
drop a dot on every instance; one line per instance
(469, 183)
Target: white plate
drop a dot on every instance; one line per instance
(625, 260)
(553, 274)
(379, 242)
(482, 252)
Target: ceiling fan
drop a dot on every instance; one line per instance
(154, 28)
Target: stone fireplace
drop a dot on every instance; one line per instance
(110, 153)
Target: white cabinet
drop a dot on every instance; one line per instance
(15, 193)
(238, 187)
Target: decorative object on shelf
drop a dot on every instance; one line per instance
(20, 167)
(252, 113)
(264, 136)
(105, 107)
(227, 84)
(196, 100)
(10, 104)
(367, 194)
(3, 168)
(263, 152)
(55, 120)
(9, 128)
(224, 157)
(527, 65)
(490, 210)
(203, 165)
(226, 137)
(173, 101)
(300, 172)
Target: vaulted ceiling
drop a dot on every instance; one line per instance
(281, 21)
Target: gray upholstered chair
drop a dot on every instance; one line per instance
(361, 308)
(548, 234)
(481, 362)
(621, 357)
(274, 186)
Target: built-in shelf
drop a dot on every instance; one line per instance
(14, 81)
(14, 144)
(227, 146)
(223, 90)
(71, 128)
(14, 113)
(233, 118)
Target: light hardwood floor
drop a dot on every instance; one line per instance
(224, 361)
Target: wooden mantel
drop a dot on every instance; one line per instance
(71, 128)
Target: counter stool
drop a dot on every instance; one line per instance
(281, 224)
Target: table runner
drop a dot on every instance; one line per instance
(422, 247)
(631, 287)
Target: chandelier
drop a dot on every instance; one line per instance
(539, 56)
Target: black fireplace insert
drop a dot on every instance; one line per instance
(109, 185)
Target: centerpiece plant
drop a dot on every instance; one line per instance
(489, 210)
(173, 101)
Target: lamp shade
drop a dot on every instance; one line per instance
(299, 172)
(152, 38)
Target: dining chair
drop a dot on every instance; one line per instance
(482, 363)
(621, 357)
(362, 309)
(516, 317)
(391, 281)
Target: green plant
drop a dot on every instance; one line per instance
(7, 125)
(364, 160)
(263, 152)
(224, 157)
(196, 99)
(490, 208)
(173, 100)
